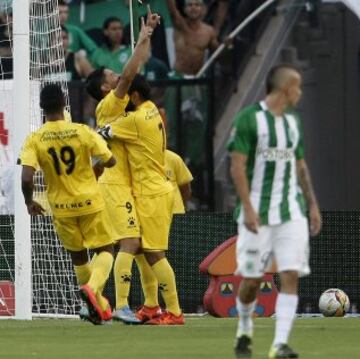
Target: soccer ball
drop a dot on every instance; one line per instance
(334, 303)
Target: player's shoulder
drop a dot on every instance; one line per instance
(81, 129)
(172, 156)
(292, 114)
(247, 115)
(75, 125)
(33, 136)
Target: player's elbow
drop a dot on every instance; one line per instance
(186, 192)
(110, 163)
(236, 171)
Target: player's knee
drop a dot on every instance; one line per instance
(154, 257)
(130, 245)
(248, 289)
(79, 258)
(289, 282)
(108, 248)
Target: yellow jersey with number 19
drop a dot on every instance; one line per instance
(144, 135)
(63, 151)
(107, 111)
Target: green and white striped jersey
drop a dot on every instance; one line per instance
(272, 144)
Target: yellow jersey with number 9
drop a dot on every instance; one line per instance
(144, 135)
(107, 111)
(63, 151)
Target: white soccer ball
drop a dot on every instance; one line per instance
(334, 303)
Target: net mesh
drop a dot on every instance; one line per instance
(54, 286)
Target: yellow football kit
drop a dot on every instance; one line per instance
(143, 133)
(179, 175)
(115, 183)
(63, 151)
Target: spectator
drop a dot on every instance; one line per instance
(216, 13)
(192, 36)
(6, 63)
(77, 65)
(113, 54)
(77, 38)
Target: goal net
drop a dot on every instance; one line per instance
(54, 288)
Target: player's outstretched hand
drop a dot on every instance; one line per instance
(35, 209)
(152, 20)
(315, 220)
(145, 32)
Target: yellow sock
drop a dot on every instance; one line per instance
(149, 282)
(82, 273)
(166, 278)
(100, 270)
(122, 276)
(103, 302)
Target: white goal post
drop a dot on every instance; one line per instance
(21, 128)
(31, 257)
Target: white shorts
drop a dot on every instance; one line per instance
(286, 243)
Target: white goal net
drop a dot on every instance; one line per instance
(54, 288)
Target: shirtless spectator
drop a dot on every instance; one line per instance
(192, 36)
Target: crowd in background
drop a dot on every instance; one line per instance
(109, 46)
(189, 32)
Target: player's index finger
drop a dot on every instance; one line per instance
(149, 10)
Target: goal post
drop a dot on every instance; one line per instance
(31, 257)
(21, 128)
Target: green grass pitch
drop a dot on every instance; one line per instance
(206, 337)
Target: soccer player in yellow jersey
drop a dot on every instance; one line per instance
(143, 133)
(111, 90)
(181, 177)
(63, 151)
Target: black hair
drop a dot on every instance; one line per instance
(94, 82)
(62, 3)
(106, 24)
(52, 99)
(140, 85)
(272, 76)
(109, 20)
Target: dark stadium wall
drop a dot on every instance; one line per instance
(331, 104)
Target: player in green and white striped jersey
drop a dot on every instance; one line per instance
(273, 184)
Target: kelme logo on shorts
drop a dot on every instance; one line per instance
(131, 222)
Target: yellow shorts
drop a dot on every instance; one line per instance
(85, 232)
(155, 215)
(121, 208)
